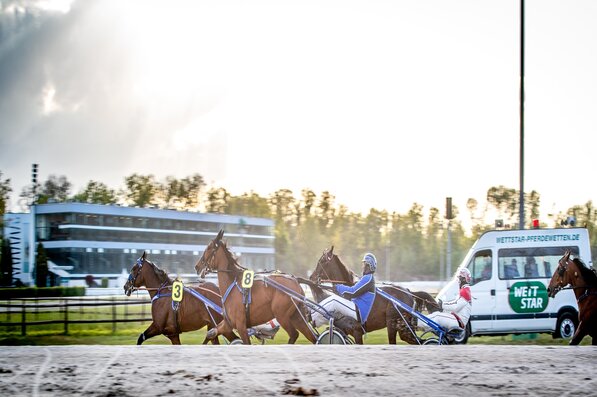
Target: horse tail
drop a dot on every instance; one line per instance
(316, 290)
(424, 300)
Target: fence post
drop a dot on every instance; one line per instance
(65, 317)
(23, 318)
(113, 315)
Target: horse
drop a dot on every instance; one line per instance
(583, 281)
(262, 302)
(383, 313)
(191, 314)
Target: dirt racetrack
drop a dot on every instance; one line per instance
(469, 370)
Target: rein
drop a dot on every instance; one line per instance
(170, 287)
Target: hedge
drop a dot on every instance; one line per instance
(35, 292)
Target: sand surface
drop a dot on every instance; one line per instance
(468, 370)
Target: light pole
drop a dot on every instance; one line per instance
(521, 199)
(449, 217)
(34, 168)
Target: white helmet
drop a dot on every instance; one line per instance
(370, 260)
(465, 274)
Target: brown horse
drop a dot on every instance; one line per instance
(192, 313)
(383, 313)
(583, 281)
(256, 305)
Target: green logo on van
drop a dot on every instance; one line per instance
(528, 297)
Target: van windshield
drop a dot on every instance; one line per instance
(537, 262)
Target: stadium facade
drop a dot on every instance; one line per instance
(104, 241)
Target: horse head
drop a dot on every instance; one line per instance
(207, 262)
(135, 279)
(331, 269)
(320, 269)
(561, 277)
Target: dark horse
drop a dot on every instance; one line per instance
(383, 313)
(583, 281)
(192, 313)
(260, 304)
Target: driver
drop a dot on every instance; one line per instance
(358, 296)
(454, 313)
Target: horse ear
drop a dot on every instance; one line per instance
(220, 235)
(332, 250)
(144, 255)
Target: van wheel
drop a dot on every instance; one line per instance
(463, 338)
(566, 325)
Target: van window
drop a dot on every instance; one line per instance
(537, 262)
(480, 266)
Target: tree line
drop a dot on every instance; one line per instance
(408, 246)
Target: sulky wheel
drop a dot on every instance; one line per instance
(335, 338)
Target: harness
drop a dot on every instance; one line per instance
(246, 294)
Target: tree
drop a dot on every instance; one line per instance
(55, 188)
(217, 200)
(6, 267)
(96, 193)
(326, 210)
(504, 200)
(182, 193)
(41, 266)
(4, 191)
(141, 190)
(249, 204)
(283, 206)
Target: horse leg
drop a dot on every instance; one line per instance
(578, 335)
(288, 325)
(213, 332)
(391, 323)
(150, 332)
(214, 341)
(175, 339)
(392, 330)
(299, 323)
(357, 335)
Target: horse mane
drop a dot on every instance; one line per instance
(589, 275)
(350, 275)
(161, 274)
(231, 258)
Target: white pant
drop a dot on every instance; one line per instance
(337, 307)
(446, 320)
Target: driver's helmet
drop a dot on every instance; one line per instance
(464, 274)
(370, 260)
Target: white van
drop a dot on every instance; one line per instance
(510, 272)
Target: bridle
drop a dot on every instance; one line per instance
(320, 269)
(132, 278)
(562, 269)
(206, 264)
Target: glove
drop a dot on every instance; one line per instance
(440, 303)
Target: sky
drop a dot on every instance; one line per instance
(381, 103)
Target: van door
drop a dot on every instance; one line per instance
(482, 267)
(521, 289)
